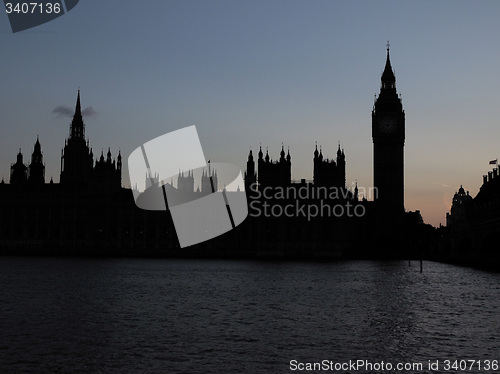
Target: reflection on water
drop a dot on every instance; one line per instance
(176, 316)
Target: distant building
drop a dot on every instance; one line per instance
(18, 171)
(473, 225)
(460, 206)
(34, 174)
(36, 169)
(326, 172)
(89, 212)
(272, 173)
(77, 160)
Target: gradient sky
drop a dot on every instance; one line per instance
(270, 72)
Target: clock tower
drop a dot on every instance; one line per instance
(388, 133)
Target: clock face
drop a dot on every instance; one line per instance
(387, 124)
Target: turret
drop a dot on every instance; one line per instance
(250, 176)
(18, 171)
(282, 153)
(36, 168)
(119, 161)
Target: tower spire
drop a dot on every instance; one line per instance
(78, 106)
(77, 130)
(388, 77)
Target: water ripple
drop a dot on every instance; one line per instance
(165, 316)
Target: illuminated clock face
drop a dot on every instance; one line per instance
(387, 125)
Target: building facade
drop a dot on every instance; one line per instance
(89, 212)
(388, 133)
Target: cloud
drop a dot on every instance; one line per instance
(64, 111)
(89, 112)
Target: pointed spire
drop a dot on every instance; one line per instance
(260, 152)
(78, 109)
(388, 78)
(316, 153)
(37, 150)
(77, 129)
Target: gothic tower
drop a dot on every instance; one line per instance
(250, 175)
(77, 160)
(18, 171)
(328, 173)
(388, 133)
(36, 167)
(274, 173)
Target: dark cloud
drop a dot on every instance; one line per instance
(89, 112)
(64, 111)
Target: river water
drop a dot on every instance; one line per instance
(71, 315)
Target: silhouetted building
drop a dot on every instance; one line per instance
(388, 132)
(328, 173)
(89, 212)
(460, 205)
(18, 171)
(250, 174)
(473, 225)
(107, 172)
(274, 173)
(36, 169)
(77, 160)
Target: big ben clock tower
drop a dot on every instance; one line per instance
(388, 133)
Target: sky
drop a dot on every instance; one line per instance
(263, 72)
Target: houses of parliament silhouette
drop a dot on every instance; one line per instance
(90, 213)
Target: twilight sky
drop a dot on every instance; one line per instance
(264, 72)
